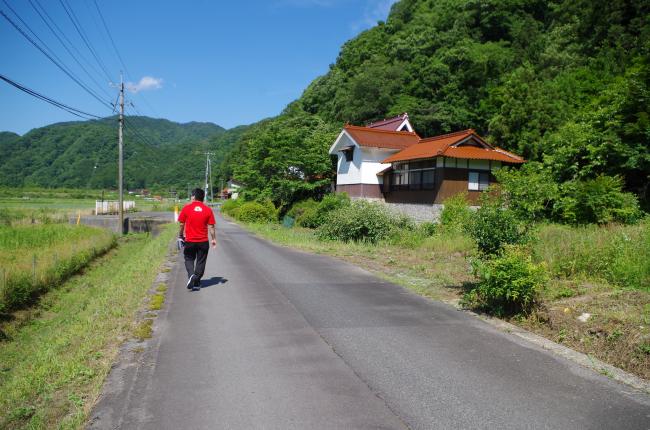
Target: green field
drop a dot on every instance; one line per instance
(59, 352)
(37, 257)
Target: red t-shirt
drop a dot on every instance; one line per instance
(196, 216)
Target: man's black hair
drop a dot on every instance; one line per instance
(198, 194)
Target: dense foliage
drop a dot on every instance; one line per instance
(359, 221)
(562, 82)
(565, 83)
(532, 195)
(84, 154)
(494, 226)
(311, 214)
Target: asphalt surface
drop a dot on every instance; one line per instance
(281, 339)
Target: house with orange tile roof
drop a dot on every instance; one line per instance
(401, 168)
(361, 151)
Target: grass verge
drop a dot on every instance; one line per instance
(615, 310)
(56, 360)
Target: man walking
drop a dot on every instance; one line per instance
(196, 219)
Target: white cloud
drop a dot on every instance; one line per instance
(146, 83)
(376, 10)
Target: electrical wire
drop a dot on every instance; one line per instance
(72, 45)
(63, 69)
(67, 108)
(77, 25)
(68, 49)
(119, 57)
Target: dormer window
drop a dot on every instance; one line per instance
(349, 153)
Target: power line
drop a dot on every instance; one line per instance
(77, 25)
(67, 49)
(45, 45)
(111, 38)
(67, 108)
(63, 69)
(89, 63)
(119, 57)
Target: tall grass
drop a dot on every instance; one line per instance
(34, 258)
(617, 254)
(53, 368)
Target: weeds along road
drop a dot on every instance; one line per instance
(281, 339)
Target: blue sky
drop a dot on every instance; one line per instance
(227, 62)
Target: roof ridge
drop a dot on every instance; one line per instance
(443, 136)
(378, 130)
(508, 153)
(402, 117)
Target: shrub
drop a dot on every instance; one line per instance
(428, 229)
(304, 213)
(456, 214)
(299, 208)
(600, 200)
(530, 191)
(361, 220)
(315, 216)
(230, 206)
(257, 212)
(508, 284)
(492, 226)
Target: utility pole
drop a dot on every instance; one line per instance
(120, 144)
(208, 173)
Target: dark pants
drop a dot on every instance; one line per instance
(196, 251)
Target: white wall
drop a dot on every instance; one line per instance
(372, 158)
(348, 172)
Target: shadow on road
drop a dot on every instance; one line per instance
(215, 280)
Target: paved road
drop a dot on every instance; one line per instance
(280, 339)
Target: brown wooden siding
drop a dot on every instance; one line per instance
(372, 191)
(449, 182)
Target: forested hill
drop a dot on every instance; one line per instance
(157, 153)
(563, 82)
(7, 137)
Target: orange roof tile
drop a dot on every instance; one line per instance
(378, 138)
(442, 146)
(475, 153)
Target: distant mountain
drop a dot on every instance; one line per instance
(157, 153)
(8, 137)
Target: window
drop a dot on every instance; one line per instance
(415, 180)
(428, 179)
(349, 154)
(478, 181)
(406, 177)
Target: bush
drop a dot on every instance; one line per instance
(456, 214)
(600, 200)
(230, 206)
(311, 214)
(304, 213)
(257, 212)
(299, 208)
(508, 284)
(529, 191)
(492, 226)
(361, 220)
